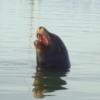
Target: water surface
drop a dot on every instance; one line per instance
(76, 22)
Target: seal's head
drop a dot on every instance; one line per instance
(42, 36)
(42, 44)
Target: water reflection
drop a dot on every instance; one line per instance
(46, 81)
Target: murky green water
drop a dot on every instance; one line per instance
(76, 22)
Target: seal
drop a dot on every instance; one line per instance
(50, 50)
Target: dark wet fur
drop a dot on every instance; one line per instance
(55, 56)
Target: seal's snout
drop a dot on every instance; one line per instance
(42, 39)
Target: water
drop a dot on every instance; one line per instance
(76, 22)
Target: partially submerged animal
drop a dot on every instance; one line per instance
(50, 50)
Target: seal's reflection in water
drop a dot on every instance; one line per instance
(48, 80)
